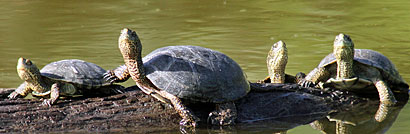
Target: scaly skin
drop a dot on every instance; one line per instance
(276, 62)
(130, 47)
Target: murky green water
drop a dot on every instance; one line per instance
(47, 31)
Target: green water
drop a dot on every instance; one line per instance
(46, 31)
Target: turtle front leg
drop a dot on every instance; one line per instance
(119, 74)
(225, 114)
(22, 90)
(314, 77)
(54, 94)
(387, 100)
(383, 112)
(188, 118)
(385, 94)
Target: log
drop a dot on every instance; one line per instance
(277, 107)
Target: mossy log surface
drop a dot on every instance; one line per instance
(285, 104)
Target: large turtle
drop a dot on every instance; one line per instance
(358, 70)
(190, 73)
(65, 77)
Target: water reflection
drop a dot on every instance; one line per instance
(358, 120)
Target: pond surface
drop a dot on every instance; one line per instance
(46, 31)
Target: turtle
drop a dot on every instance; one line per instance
(61, 78)
(276, 62)
(189, 73)
(357, 70)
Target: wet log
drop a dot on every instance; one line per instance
(283, 106)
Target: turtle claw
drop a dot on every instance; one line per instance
(306, 83)
(300, 78)
(110, 76)
(187, 123)
(13, 95)
(47, 102)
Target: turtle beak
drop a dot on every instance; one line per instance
(343, 40)
(279, 46)
(20, 63)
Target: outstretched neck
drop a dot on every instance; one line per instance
(344, 58)
(135, 67)
(131, 48)
(345, 69)
(277, 73)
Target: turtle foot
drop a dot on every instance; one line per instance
(110, 76)
(306, 83)
(219, 119)
(47, 102)
(13, 95)
(300, 79)
(188, 123)
(225, 114)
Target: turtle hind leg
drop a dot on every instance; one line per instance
(225, 114)
(188, 118)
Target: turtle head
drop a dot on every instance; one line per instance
(343, 47)
(27, 70)
(129, 43)
(276, 62)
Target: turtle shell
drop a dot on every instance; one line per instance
(372, 59)
(196, 73)
(80, 73)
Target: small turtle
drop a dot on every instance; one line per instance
(357, 70)
(276, 62)
(65, 77)
(191, 73)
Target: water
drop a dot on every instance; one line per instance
(46, 31)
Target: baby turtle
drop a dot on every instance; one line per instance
(191, 73)
(357, 70)
(65, 77)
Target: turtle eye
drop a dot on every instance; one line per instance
(276, 45)
(28, 62)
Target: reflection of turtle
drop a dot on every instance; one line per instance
(357, 70)
(359, 119)
(276, 62)
(190, 73)
(65, 77)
